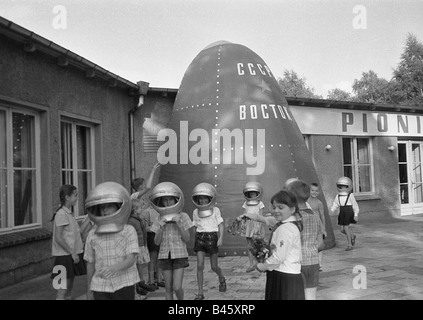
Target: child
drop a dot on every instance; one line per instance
(312, 230)
(67, 245)
(112, 245)
(253, 192)
(143, 257)
(149, 216)
(348, 209)
(141, 189)
(317, 206)
(208, 233)
(283, 266)
(172, 234)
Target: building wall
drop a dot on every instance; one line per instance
(34, 80)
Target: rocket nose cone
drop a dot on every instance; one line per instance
(217, 43)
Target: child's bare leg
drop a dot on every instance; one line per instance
(178, 277)
(168, 275)
(200, 271)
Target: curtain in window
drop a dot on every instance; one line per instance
(23, 163)
(3, 171)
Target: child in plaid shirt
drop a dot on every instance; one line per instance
(312, 229)
(111, 257)
(172, 237)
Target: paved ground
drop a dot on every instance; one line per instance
(386, 264)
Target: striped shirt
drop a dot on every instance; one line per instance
(105, 250)
(172, 239)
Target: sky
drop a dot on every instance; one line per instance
(328, 42)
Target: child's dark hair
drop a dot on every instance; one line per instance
(136, 183)
(65, 191)
(314, 184)
(289, 199)
(300, 189)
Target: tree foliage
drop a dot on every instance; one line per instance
(339, 95)
(371, 88)
(295, 86)
(407, 81)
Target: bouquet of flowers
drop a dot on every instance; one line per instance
(261, 250)
(237, 226)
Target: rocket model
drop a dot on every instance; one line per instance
(231, 124)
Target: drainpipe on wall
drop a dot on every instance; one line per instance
(142, 91)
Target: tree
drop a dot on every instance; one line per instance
(407, 82)
(371, 88)
(294, 86)
(339, 95)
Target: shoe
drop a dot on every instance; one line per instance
(320, 268)
(147, 287)
(199, 297)
(154, 285)
(348, 248)
(353, 240)
(140, 290)
(222, 286)
(250, 269)
(161, 283)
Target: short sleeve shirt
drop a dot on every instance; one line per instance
(64, 218)
(208, 224)
(105, 250)
(172, 242)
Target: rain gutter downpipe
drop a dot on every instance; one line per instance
(142, 91)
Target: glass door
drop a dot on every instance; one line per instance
(410, 155)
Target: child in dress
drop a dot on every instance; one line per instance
(149, 216)
(172, 234)
(283, 266)
(209, 233)
(67, 245)
(143, 257)
(348, 209)
(317, 206)
(251, 229)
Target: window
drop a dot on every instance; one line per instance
(77, 158)
(358, 163)
(19, 168)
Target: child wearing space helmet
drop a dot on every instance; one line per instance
(253, 192)
(111, 247)
(348, 209)
(172, 232)
(208, 225)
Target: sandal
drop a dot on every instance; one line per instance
(250, 269)
(222, 286)
(349, 248)
(199, 297)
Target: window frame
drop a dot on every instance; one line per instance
(75, 121)
(355, 165)
(10, 211)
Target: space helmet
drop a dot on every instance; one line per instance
(253, 186)
(167, 189)
(204, 189)
(108, 192)
(344, 181)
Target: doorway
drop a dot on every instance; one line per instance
(410, 155)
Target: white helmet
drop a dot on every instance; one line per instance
(167, 189)
(108, 192)
(344, 181)
(204, 189)
(253, 186)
